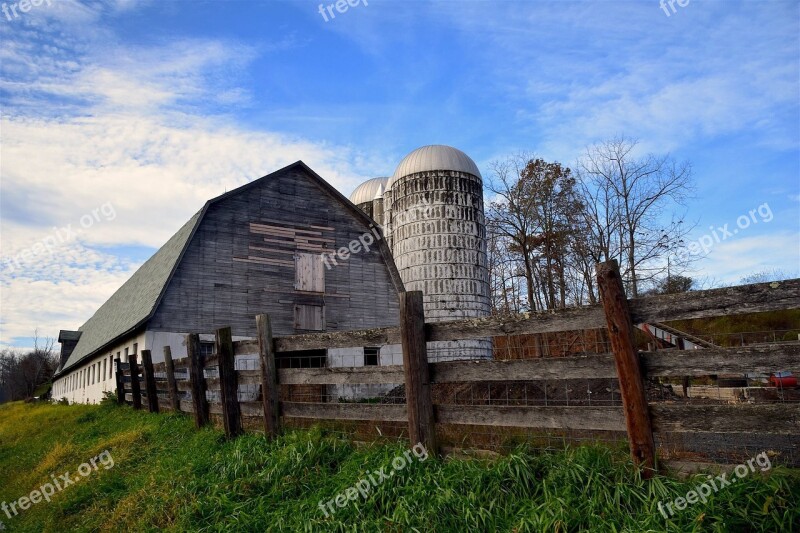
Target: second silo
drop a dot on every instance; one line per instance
(435, 226)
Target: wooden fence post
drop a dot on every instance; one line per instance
(198, 380)
(120, 382)
(421, 427)
(269, 377)
(172, 385)
(136, 390)
(629, 372)
(150, 382)
(228, 383)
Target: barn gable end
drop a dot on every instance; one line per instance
(258, 250)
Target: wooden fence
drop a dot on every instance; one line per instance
(159, 385)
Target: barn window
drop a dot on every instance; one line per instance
(309, 273)
(135, 348)
(309, 317)
(302, 359)
(206, 349)
(371, 356)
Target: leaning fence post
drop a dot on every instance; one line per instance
(136, 390)
(150, 382)
(198, 380)
(172, 385)
(421, 426)
(269, 376)
(120, 382)
(228, 383)
(629, 372)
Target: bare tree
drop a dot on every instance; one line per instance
(626, 199)
(22, 373)
(531, 216)
(512, 215)
(765, 276)
(505, 274)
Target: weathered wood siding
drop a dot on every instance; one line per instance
(240, 263)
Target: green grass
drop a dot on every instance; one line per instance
(167, 475)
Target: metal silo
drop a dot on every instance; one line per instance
(369, 198)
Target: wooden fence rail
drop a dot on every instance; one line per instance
(167, 383)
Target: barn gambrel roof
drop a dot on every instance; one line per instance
(136, 301)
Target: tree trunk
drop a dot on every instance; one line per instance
(529, 279)
(631, 264)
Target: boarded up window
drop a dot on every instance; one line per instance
(309, 317)
(309, 273)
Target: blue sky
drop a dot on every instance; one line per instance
(152, 107)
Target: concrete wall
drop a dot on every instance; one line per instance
(354, 357)
(157, 340)
(436, 230)
(87, 382)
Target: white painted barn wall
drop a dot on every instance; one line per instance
(87, 382)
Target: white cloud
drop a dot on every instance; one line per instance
(582, 72)
(129, 127)
(731, 260)
(57, 292)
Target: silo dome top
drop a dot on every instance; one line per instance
(434, 157)
(366, 191)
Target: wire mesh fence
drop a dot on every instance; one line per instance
(756, 387)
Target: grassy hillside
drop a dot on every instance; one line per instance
(167, 475)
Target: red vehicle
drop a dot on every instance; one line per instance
(784, 380)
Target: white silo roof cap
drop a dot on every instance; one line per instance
(434, 157)
(367, 191)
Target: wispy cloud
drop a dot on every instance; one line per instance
(97, 108)
(732, 260)
(86, 122)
